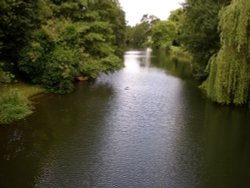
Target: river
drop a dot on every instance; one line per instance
(145, 126)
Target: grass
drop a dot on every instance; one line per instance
(26, 90)
(15, 103)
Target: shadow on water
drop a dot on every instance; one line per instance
(220, 134)
(173, 66)
(219, 139)
(147, 125)
(25, 145)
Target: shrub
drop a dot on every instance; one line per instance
(61, 70)
(13, 106)
(5, 76)
(52, 57)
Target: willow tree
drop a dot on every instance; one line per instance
(229, 79)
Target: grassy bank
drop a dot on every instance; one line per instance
(26, 90)
(15, 103)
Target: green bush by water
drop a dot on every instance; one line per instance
(13, 106)
(50, 43)
(5, 76)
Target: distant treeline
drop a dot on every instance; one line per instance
(217, 35)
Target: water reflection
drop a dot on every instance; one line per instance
(143, 126)
(173, 66)
(136, 60)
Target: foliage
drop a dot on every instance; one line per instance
(18, 19)
(5, 76)
(138, 36)
(177, 17)
(13, 106)
(92, 67)
(163, 34)
(229, 78)
(199, 33)
(61, 69)
(180, 54)
(52, 58)
(81, 36)
(26, 90)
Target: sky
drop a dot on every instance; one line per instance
(135, 9)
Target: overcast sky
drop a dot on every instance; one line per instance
(135, 9)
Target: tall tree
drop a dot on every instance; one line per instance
(200, 33)
(229, 79)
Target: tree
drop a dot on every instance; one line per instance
(17, 21)
(139, 35)
(82, 37)
(149, 19)
(229, 78)
(199, 32)
(163, 34)
(177, 17)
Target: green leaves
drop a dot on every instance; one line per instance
(163, 34)
(53, 57)
(72, 44)
(18, 19)
(229, 79)
(13, 106)
(137, 36)
(5, 76)
(61, 69)
(199, 32)
(93, 67)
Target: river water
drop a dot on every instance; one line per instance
(145, 126)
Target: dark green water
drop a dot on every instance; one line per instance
(143, 126)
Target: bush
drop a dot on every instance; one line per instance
(13, 106)
(55, 55)
(91, 68)
(5, 77)
(52, 58)
(61, 70)
(111, 63)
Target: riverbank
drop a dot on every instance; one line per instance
(161, 132)
(180, 54)
(27, 90)
(16, 101)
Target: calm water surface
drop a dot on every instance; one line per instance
(146, 126)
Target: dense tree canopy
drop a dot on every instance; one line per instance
(199, 32)
(17, 20)
(163, 34)
(52, 42)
